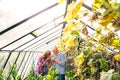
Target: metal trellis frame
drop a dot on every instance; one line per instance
(19, 23)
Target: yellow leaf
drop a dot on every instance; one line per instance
(61, 1)
(117, 57)
(69, 27)
(99, 47)
(107, 19)
(66, 37)
(71, 7)
(69, 11)
(76, 9)
(70, 43)
(96, 4)
(116, 43)
(68, 16)
(79, 59)
(48, 77)
(99, 28)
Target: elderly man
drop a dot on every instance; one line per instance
(59, 62)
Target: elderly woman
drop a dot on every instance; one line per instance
(43, 64)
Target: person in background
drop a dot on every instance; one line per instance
(58, 61)
(43, 64)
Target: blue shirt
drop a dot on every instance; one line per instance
(61, 58)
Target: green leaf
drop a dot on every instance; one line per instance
(1, 71)
(107, 11)
(19, 77)
(103, 64)
(86, 52)
(93, 70)
(105, 76)
(75, 33)
(1, 77)
(14, 73)
(116, 76)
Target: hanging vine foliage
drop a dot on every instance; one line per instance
(92, 54)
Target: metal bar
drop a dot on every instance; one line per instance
(14, 63)
(43, 37)
(34, 47)
(86, 6)
(7, 60)
(67, 3)
(32, 67)
(32, 56)
(17, 24)
(64, 23)
(88, 25)
(89, 8)
(27, 34)
(17, 51)
(39, 44)
(3, 61)
(22, 61)
(94, 39)
(17, 58)
(29, 45)
(48, 41)
(39, 35)
(27, 64)
(12, 51)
